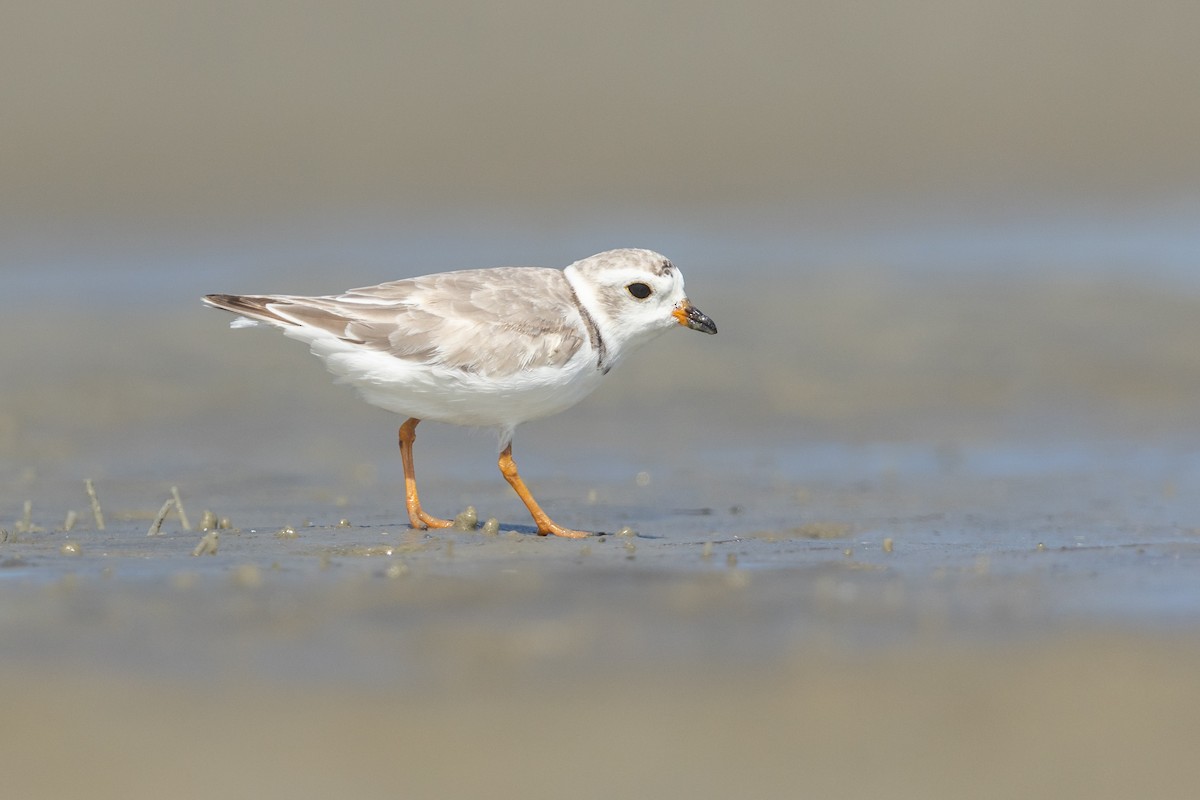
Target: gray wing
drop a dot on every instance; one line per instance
(487, 321)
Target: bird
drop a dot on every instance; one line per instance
(488, 348)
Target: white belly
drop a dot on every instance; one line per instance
(432, 392)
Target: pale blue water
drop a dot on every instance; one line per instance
(269, 447)
(1156, 246)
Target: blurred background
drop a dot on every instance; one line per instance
(173, 139)
(930, 219)
(951, 247)
(935, 220)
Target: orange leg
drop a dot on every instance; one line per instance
(418, 518)
(545, 525)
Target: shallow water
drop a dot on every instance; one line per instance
(930, 525)
(920, 522)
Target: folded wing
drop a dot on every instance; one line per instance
(490, 322)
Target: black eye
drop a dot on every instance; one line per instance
(639, 290)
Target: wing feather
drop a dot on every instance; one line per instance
(489, 321)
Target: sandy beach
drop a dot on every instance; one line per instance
(941, 579)
(921, 521)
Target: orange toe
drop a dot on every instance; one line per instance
(547, 527)
(422, 521)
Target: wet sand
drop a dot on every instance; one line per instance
(903, 532)
(892, 539)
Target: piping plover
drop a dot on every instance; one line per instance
(487, 347)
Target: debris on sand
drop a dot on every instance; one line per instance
(467, 519)
(156, 526)
(96, 510)
(208, 544)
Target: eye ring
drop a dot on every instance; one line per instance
(639, 290)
